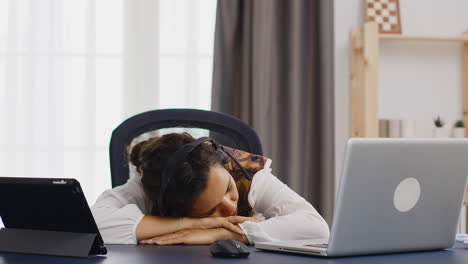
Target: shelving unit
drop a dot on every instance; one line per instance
(364, 80)
(422, 38)
(364, 75)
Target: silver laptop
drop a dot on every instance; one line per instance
(395, 195)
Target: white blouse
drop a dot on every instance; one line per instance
(288, 216)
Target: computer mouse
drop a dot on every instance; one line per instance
(229, 249)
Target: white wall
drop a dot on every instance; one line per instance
(417, 80)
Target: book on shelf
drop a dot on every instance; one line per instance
(383, 128)
(395, 128)
(462, 221)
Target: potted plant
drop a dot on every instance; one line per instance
(438, 131)
(458, 129)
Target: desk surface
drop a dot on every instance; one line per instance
(124, 254)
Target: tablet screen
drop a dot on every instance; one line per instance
(46, 204)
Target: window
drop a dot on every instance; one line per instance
(71, 71)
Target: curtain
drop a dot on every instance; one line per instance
(71, 71)
(273, 69)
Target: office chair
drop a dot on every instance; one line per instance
(225, 129)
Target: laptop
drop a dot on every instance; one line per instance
(395, 195)
(48, 204)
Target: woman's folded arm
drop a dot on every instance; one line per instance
(121, 220)
(288, 215)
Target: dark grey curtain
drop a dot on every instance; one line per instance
(273, 65)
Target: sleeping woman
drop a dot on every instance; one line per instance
(194, 191)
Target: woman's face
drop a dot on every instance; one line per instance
(220, 196)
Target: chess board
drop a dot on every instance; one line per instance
(386, 13)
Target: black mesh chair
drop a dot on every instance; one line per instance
(225, 129)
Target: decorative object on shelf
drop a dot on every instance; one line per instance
(386, 13)
(438, 130)
(458, 129)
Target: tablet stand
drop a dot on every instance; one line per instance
(47, 242)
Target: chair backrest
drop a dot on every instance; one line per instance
(227, 130)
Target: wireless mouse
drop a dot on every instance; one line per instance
(229, 249)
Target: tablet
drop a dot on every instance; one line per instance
(48, 204)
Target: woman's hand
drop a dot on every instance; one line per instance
(229, 223)
(196, 237)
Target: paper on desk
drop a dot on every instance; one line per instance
(462, 238)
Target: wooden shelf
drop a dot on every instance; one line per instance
(365, 49)
(422, 38)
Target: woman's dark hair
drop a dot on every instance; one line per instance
(190, 178)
